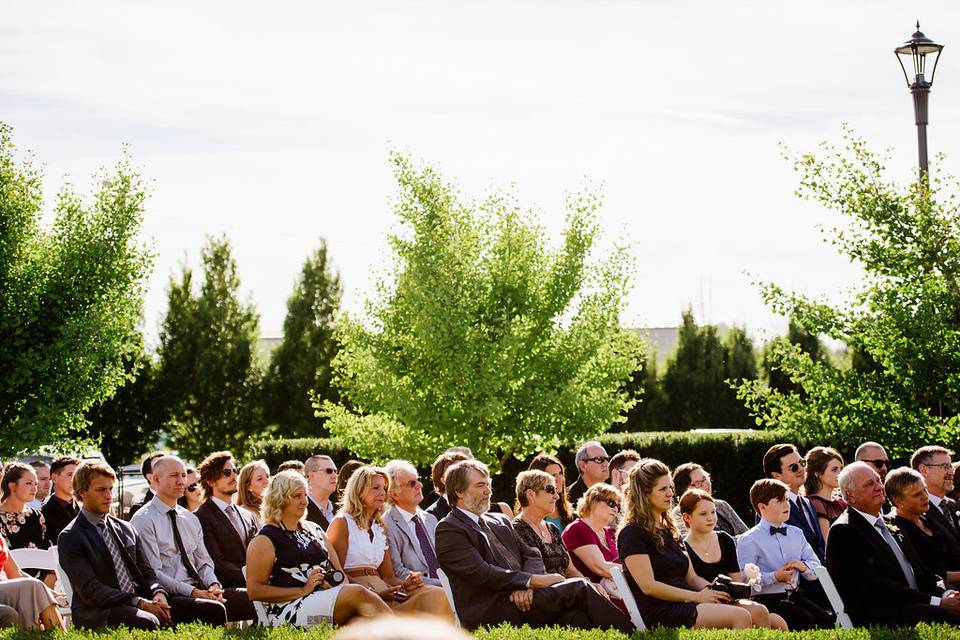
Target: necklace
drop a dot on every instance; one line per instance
(540, 528)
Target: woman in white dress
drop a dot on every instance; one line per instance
(292, 570)
(358, 536)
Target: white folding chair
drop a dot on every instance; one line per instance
(258, 606)
(621, 581)
(46, 560)
(843, 620)
(445, 583)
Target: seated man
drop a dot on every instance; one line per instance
(411, 531)
(321, 475)
(784, 556)
(876, 571)
(784, 463)
(173, 542)
(60, 508)
(103, 557)
(496, 578)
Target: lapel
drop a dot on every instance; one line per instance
(101, 551)
(480, 540)
(872, 537)
(408, 530)
(124, 552)
(225, 522)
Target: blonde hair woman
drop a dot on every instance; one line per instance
(659, 573)
(292, 569)
(358, 535)
(252, 482)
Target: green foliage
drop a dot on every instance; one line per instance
(645, 387)
(482, 336)
(209, 381)
(697, 377)
(301, 365)
(808, 342)
(902, 322)
(70, 299)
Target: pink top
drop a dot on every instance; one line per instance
(3, 559)
(579, 534)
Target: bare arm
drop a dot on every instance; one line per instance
(261, 556)
(338, 537)
(592, 557)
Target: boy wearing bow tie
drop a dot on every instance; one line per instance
(784, 557)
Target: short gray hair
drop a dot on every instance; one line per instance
(393, 469)
(899, 479)
(845, 479)
(582, 451)
(925, 455)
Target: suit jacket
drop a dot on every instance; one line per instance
(439, 509)
(867, 574)
(940, 525)
(315, 515)
(86, 561)
(57, 517)
(226, 548)
(404, 547)
(480, 584)
(813, 534)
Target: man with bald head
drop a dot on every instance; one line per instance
(875, 455)
(876, 571)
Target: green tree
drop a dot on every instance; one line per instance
(482, 336)
(740, 363)
(902, 322)
(646, 388)
(209, 380)
(302, 364)
(70, 298)
(808, 342)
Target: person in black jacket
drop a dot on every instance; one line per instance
(876, 570)
(60, 508)
(321, 473)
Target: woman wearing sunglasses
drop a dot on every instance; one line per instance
(191, 495)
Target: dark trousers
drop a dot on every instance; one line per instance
(239, 606)
(185, 609)
(132, 617)
(572, 603)
(904, 616)
(800, 612)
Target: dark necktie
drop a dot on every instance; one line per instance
(946, 508)
(183, 552)
(498, 548)
(781, 530)
(124, 581)
(425, 546)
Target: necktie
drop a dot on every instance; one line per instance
(507, 558)
(234, 519)
(183, 552)
(805, 512)
(947, 509)
(781, 530)
(897, 552)
(425, 546)
(124, 581)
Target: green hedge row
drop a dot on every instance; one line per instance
(734, 459)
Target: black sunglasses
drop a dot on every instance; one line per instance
(613, 504)
(878, 463)
(796, 466)
(229, 472)
(193, 487)
(598, 459)
(552, 490)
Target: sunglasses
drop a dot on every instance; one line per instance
(193, 487)
(598, 459)
(229, 472)
(878, 463)
(613, 504)
(796, 466)
(329, 472)
(412, 483)
(552, 490)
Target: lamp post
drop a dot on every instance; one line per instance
(913, 54)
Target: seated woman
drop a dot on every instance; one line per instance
(289, 564)
(358, 536)
(191, 494)
(537, 494)
(714, 552)
(251, 484)
(562, 514)
(693, 476)
(907, 490)
(23, 526)
(822, 485)
(29, 598)
(661, 577)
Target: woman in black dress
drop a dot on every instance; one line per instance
(23, 526)
(667, 590)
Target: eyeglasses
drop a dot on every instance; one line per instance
(193, 487)
(699, 484)
(229, 472)
(796, 466)
(942, 465)
(878, 463)
(412, 483)
(598, 459)
(613, 504)
(329, 472)
(552, 490)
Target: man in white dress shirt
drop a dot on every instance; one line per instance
(411, 531)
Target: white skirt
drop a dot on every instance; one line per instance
(308, 611)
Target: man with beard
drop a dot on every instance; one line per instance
(496, 578)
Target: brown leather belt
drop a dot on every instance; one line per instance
(361, 571)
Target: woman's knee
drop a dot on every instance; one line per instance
(740, 618)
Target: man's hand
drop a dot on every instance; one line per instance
(158, 607)
(522, 599)
(951, 602)
(544, 580)
(784, 573)
(414, 580)
(206, 594)
(798, 565)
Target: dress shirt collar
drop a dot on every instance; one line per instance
(320, 506)
(407, 516)
(793, 497)
(871, 520)
(470, 514)
(221, 503)
(161, 506)
(934, 500)
(91, 517)
(765, 525)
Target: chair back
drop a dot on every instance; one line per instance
(45, 559)
(624, 588)
(445, 583)
(843, 620)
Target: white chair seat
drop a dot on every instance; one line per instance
(623, 587)
(843, 620)
(46, 560)
(445, 583)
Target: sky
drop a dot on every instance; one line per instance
(271, 123)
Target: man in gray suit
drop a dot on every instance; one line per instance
(411, 531)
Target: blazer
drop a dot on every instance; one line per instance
(315, 515)
(57, 517)
(439, 509)
(813, 535)
(86, 560)
(480, 585)
(227, 549)
(867, 574)
(938, 523)
(404, 547)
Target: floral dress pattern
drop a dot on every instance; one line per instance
(26, 529)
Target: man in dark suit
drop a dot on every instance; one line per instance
(113, 584)
(227, 530)
(60, 508)
(935, 465)
(321, 475)
(495, 577)
(783, 462)
(875, 569)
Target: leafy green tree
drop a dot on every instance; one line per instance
(902, 322)
(740, 363)
(302, 364)
(209, 380)
(482, 336)
(70, 299)
(646, 388)
(808, 342)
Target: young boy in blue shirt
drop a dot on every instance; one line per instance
(784, 557)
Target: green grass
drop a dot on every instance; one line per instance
(201, 632)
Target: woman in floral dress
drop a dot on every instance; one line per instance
(23, 526)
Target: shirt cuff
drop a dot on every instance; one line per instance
(809, 574)
(935, 601)
(529, 580)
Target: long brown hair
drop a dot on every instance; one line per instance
(540, 463)
(640, 483)
(818, 459)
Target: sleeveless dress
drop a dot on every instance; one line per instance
(669, 565)
(298, 553)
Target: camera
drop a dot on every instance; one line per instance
(330, 575)
(736, 590)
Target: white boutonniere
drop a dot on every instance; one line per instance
(892, 528)
(752, 573)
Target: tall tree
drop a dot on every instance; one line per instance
(902, 322)
(809, 343)
(482, 336)
(302, 365)
(740, 363)
(646, 388)
(70, 299)
(209, 379)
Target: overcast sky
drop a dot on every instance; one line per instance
(271, 123)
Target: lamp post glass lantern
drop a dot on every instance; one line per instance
(912, 56)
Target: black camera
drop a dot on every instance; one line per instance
(330, 575)
(736, 590)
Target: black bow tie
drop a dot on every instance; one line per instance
(775, 530)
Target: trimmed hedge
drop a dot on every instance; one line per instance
(734, 459)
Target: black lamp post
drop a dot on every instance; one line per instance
(913, 54)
